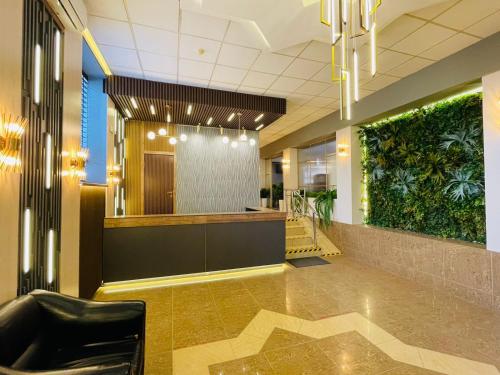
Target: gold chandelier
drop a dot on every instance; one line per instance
(348, 20)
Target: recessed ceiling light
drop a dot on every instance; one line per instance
(231, 116)
(189, 110)
(260, 127)
(210, 120)
(152, 109)
(259, 117)
(127, 112)
(134, 103)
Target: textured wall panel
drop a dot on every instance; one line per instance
(134, 168)
(212, 176)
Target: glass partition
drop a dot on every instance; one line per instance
(317, 170)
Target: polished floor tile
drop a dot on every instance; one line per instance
(342, 318)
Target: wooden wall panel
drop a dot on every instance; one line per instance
(92, 209)
(160, 144)
(134, 167)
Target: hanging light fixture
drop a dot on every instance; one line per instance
(348, 20)
(244, 137)
(169, 117)
(165, 133)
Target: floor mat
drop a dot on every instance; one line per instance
(307, 262)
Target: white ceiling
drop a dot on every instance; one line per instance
(277, 48)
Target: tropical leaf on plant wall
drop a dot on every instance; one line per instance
(408, 153)
(465, 137)
(404, 181)
(377, 173)
(462, 185)
(435, 167)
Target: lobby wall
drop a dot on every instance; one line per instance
(463, 269)
(212, 176)
(11, 26)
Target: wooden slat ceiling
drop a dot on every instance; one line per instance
(205, 103)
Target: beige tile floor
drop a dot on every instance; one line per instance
(343, 318)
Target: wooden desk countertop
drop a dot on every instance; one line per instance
(254, 214)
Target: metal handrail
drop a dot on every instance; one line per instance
(301, 209)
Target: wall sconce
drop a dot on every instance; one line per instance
(342, 150)
(114, 174)
(11, 132)
(285, 163)
(74, 163)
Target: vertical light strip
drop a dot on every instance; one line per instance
(48, 161)
(329, 5)
(57, 62)
(356, 75)
(368, 14)
(348, 98)
(38, 72)
(344, 48)
(345, 10)
(27, 240)
(373, 49)
(341, 95)
(50, 256)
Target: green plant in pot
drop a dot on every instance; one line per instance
(265, 193)
(324, 203)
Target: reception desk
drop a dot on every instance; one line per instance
(152, 246)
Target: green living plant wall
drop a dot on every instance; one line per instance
(425, 170)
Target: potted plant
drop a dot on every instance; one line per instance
(278, 196)
(324, 204)
(264, 196)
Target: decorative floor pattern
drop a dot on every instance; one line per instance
(294, 322)
(197, 359)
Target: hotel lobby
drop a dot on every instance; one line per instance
(249, 187)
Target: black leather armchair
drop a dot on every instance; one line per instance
(52, 334)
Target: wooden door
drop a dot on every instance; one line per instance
(158, 184)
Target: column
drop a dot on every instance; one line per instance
(491, 126)
(348, 208)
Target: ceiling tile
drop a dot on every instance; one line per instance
(222, 85)
(276, 93)
(110, 32)
(126, 58)
(380, 82)
(298, 99)
(226, 74)
(304, 69)
(251, 90)
(158, 63)
(127, 72)
(319, 101)
(286, 84)
(195, 69)
(293, 51)
(397, 30)
(154, 40)
(410, 67)
(467, 12)
(110, 9)
(312, 88)
(260, 80)
(433, 11)
(199, 49)
(388, 60)
(332, 92)
(271, 63)
(203, 26)
(486, 27)
(423, 39)
(450, 46)
(155, 13)
(317, 51)
(237, 56)
(190, 81)
(155, 76)
(324, 75)
(245, 34)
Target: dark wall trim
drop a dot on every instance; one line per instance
(450, 75)
(40, 28)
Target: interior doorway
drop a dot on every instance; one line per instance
(158, 184)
